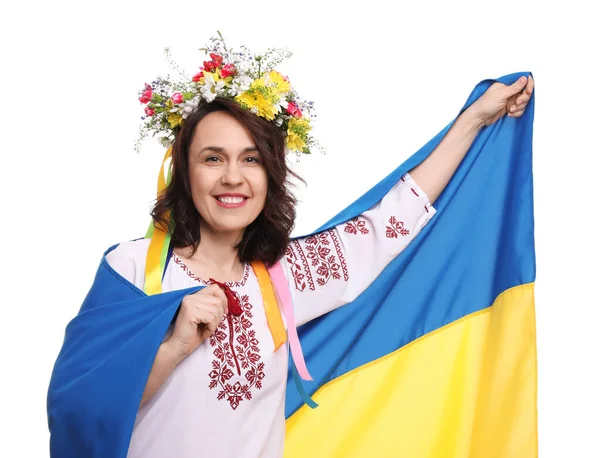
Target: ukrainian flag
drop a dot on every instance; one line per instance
(437, 358)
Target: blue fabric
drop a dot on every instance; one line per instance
(100, 373)
(101, 370)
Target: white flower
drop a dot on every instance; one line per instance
(209, 96)
(189, 106)
(165, 141)
(211, 89)
(240, 84)
(283, 102)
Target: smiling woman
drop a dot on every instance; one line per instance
(225, 151)
(200, 368)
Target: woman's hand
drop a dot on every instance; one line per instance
(501, 99)
(199, 317)
(434, 173)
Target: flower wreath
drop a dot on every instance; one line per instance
(248, 79)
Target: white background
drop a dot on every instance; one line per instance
(385, 80)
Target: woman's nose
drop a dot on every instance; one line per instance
(232, 174)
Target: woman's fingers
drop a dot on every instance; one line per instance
(213, 291)
(516, 114)
(522, 99)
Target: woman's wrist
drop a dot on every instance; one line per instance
(169, 355)
(470, 120)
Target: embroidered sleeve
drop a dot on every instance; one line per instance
(332, 268)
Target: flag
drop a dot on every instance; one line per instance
(437, 358)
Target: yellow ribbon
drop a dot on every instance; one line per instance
(159, 243)
(270, 303)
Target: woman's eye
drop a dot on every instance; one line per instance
(252, 159)
(212, 159)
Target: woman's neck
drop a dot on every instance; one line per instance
(216, 256)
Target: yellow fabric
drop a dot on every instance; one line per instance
(270, 303)
(465, 390)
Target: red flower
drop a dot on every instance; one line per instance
(228, 70)
(217, 60)
(209, 66)
(293, 109)
(146, 94)
(197, 77)
(177, 97)
(149, 111)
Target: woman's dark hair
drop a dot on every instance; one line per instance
(267, 237)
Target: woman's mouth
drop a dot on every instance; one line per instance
(231, 201)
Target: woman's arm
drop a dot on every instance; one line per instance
(164, 364)
(330, 269)
(433, 174)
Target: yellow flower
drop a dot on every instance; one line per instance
(300, 126)
(174, 119)
(260, 99)
(297, 131)
(216, 76)
(282, 86)
(294, 142)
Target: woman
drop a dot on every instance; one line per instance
(228, 196)
(216, 386)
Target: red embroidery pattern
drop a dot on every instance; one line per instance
(357, 225)
(300, 273)
(340, 253)
(396, 228)
(236, 349)
(231, 284)
(319, 253)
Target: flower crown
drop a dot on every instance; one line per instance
(248, 79)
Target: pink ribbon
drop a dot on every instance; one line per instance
(283, 291)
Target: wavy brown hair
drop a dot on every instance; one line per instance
(267, 237)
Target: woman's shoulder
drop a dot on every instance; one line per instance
(128, 258)
(128, 250)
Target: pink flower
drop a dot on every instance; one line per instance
(177, 97)
(197, 77)
(293, 109)
(228, 70)
(217, 60)
(146, 94)
(149, 111)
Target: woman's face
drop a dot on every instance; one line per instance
(227, 178)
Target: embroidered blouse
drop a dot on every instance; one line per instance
(227, 398)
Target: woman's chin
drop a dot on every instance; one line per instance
(232, 228)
